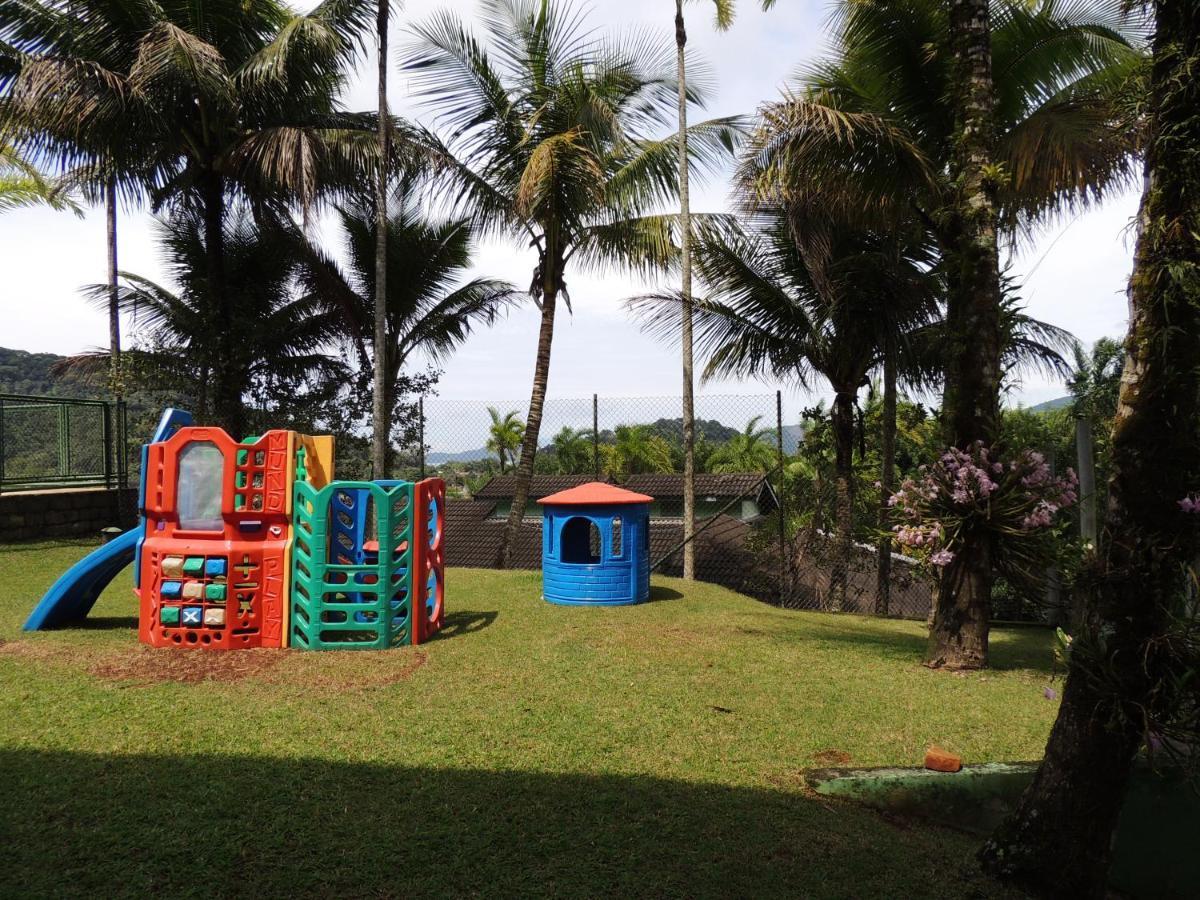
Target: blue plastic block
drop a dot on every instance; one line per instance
(193, 616)
(215, 568)
(171, 588)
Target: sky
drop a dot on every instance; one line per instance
(1073, 274)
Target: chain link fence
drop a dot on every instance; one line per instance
(762, 517)
(50, 442)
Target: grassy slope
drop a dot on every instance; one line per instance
(533, 749)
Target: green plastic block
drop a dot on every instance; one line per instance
(193, 565)
(214, 592)
(169, 615)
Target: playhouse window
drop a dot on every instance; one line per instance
(580, 541)
(201, 467)
(616, 536)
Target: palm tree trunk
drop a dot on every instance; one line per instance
(971, 405)
(887, 484)
(843, 544)
(228, 385)
(1122, 666)
(685, 241)
(114, 308)
(533, 422)
(380, 409)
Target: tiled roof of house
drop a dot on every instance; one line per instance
(671, 485)
(503, 487)
(473, 540)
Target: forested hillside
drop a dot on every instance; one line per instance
(22, 372)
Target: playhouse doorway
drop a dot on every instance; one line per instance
(580, 542)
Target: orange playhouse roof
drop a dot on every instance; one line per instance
(595, 493)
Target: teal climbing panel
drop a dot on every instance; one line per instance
(352, 565)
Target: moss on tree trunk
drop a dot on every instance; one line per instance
(1122, 677)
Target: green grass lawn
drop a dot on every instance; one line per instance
(530, 749)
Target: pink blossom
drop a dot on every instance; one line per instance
(1190, 504)
(942, 558)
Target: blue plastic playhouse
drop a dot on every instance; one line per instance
(596, 546)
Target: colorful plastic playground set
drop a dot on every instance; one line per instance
(254, 544)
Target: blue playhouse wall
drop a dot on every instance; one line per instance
(574, 575)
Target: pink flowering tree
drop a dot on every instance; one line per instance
(966, 492)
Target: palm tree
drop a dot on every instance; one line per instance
(279, 333)
(504, 435)
(753, 450)
(971, 398)
(1095, 379)
(572, 451)
(1131, 666)
(724, 10)
(637, 450)
(875, 137)
(381, 408)
(430, 308)
(21, 184)
(775, 312)
(550, 139)
(193, 106)
(114, 290)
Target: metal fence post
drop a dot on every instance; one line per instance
(122, 445)
(64, 440)
(106, 435)
(1087, 480)
(1, 445)
(781, 513)
(421, 431)
(596, 436)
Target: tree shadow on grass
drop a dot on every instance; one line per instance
(110, 825)
(1010, 649)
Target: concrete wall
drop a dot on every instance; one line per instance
(73, 512)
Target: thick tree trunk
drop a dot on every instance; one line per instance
(887, 484)
(685, 240)
(381, 413)
(228, 375)
(971, 405)
(958, 632)
(1059, 840)
(533, 422)
(843, 543)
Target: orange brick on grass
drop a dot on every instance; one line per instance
(940, 760)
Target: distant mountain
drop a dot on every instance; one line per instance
(792, 436)
(1052, 405)
(22, 372)
(437, 459)
(713, 431)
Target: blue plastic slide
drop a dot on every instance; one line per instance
(72, 597)
(74, 594)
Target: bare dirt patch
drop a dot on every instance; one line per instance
(831, 758)
(37, 650)
(339, 671)
(150, 666)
